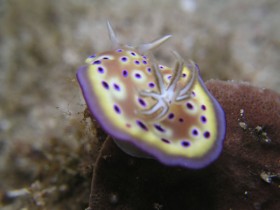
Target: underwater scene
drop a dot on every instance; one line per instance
(139, 105)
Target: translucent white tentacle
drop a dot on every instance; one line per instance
(112, 35)
(159, 78)
(159, 105)
(177, 72)
(185, 92)
(143, 48)
(170, 94)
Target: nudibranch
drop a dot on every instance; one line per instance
(152, 110)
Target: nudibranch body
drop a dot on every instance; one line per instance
(166, 113)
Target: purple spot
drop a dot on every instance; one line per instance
(169, 77)
(203, 107)
(133, 53)
(149, 69)
(160, 66)
(206, 134)
(145, 57)
(105, 85)
(137, 62)
(141, 102)
(151, 85)
(159, 128)
(193, 93)
(144, 62)
(138, 76)
(125, 73)
(171, 116)
(189, 105)
(184, 75)
(117, 109)
(141, 125)
(123, 59)
(203, 119)
(105, 58)
(117, 87)
(195, 132)
(181, 120)
(185, 143)
(100, 70)
(119, 50)
(92, 56)
(96, 62)
(165, 140)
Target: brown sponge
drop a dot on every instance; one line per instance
(246, 175)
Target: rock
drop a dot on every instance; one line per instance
(246, 175)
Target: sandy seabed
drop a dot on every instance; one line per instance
(47, 147)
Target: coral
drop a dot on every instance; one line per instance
(246, 175)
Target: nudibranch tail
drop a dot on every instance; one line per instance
(167, 113)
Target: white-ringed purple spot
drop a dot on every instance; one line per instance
(189, 105)
(141, 125)
(206, 134)
(203, 119)
(184, 75)
(125, 73)
(159, 128)
(185, 143)
(169, 77)
(171, 116)
(105, 58)
(203, 107)
(133, 53)
(141, 102)
(124, 59)
(117, 87)
(117, 109)
(195, 132)
(105, 85)
(97, 62)
(137, 62)
(144, 62)
(165, 140)
(160, 66)
(100, 70)
(149, 69)
(137, 75)
(151, 85)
